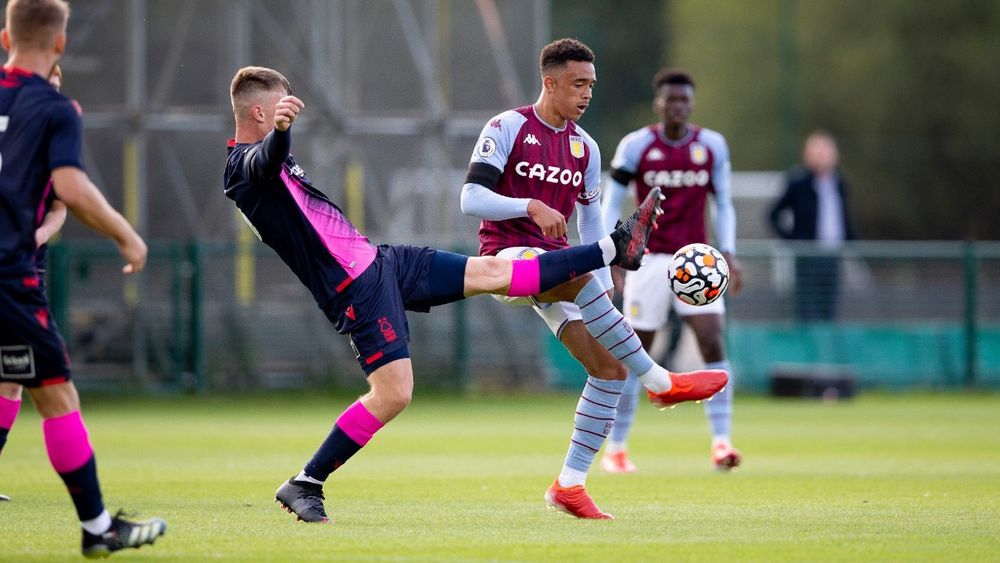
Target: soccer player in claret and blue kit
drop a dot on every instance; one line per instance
(687, 163)
(364, 289)
(41, 139)
(530, 169)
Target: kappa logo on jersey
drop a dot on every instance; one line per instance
(532, 140)
(495, 123)
(576, 146)
(17, 362)
(487, 147)
(676, 178)
(699, 154)
(655, 154)
(551, 174)
(297, 171)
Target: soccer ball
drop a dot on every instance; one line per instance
(698, 274)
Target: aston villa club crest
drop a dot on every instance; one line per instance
(576, 146)
(699, 154)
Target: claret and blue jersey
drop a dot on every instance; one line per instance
(527, 158)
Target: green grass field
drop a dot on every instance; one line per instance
(886, 478)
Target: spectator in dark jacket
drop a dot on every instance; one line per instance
(814, 207)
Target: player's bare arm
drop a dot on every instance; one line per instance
(53, 221)
(88, 204)
(551, 222)
(286, 111)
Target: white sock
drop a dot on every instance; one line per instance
(303, 477)
(99, 525)
(571, 477)
(656, 379)
(607, 249)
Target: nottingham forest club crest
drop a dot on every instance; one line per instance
(576, 146)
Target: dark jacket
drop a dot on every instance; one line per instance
(801, 199)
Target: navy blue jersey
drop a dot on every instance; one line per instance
(307, 230)
(40, 131)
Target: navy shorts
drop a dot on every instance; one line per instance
(31, 351)
(372, 309)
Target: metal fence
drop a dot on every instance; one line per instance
(225, 316)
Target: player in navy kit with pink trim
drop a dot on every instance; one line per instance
(51, 217)
(365, 290)
(41, 138)
(532, 167)
(687, 163)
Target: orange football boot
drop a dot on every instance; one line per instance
(618, 462)
(574, 500)
(725, 457)
(692, 386)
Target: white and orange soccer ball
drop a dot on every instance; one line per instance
(698, 274)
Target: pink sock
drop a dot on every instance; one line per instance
(525, 278)
(67, 442)
(359, 423)
(8, 412)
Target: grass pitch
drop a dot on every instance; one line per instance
(882, 478)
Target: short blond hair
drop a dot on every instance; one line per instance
(252, 80)
(34, 24)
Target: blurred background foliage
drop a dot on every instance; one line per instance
(909, 88)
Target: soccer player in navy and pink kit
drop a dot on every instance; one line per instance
(365, 290)
(687, 163)
(51, 217)
(531, 167)
(41, 138)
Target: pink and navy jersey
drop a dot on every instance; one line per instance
(307, 230)
(40, 131)
(686, 170)
(560, 167)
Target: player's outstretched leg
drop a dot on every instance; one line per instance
(634, 232)
(121, 535)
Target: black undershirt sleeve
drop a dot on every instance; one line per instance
(483, 174)
(623, 177)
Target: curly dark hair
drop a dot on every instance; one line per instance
(672, 76)
(561, 51)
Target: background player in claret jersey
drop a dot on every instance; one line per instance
(41, 138)
(52, 221)
(531, 166)
(366, 290)
(687, 163)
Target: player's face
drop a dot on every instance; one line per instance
(674, 103)
(573, 88)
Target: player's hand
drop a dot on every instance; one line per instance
(134, 250)
(551, 222)
(735, 272)
(286, 111)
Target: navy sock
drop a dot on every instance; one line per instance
(334, 452)
(558, 266)
(84, 490)
(3, 437)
